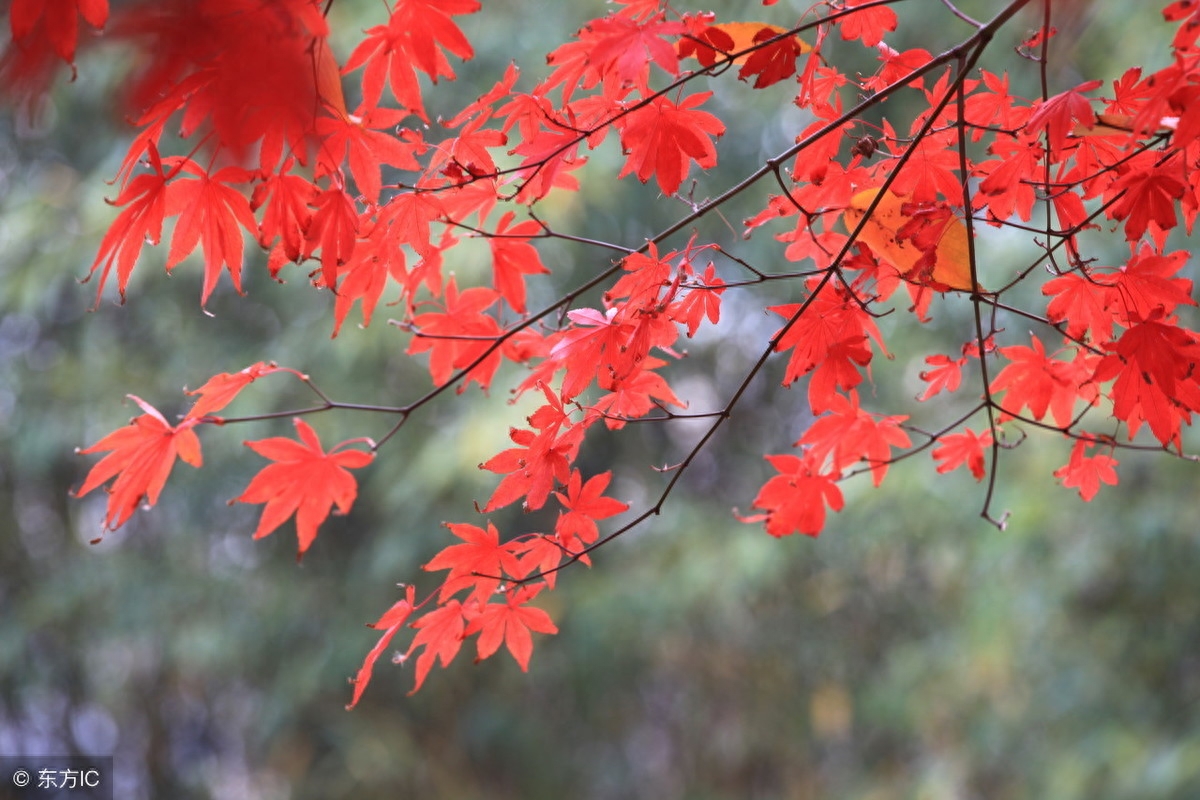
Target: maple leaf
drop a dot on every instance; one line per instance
(333, 229)
(623, 48)
(830, 340)
(584, 503)
(459, 335)
(540, 458)
(773, 62)
(513, 257)
(60, 20)
(938, 256)
(700, 302)
(480, 564)
(946, 374)
(414, 37)
(795, 499)
(1087, 472)
(1058, 115)
(1042, 383)
(1155, 369)
(363, 278)
(304, 480)
(140, 457)
(1145, 287)
(360, 140)
(211, 214)
(849, 434)
(141, 222)
(285, 199)
(390, 623)
(220, 390)
(867, 25)
(634, 395)
(510, 622)
(440, 632)
(661, 138)
(1149, 195)
(1082, 303)
(957, 449)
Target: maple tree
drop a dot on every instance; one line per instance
(251, 103)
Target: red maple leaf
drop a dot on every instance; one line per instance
(390, 623)
(285, 199)
(700, 302)
(440, 632)
(1149, 196)
(946, 374)
(413, 39)
(141, 222)
(1058, 115)
(848, 435)
(513, 257)
(662, 138)
(304, 480)
(957, 449)
(867, 25)
(212, 215)
(633, 396)
(459, 335)
(365, 140)
(795, 499)
(541, 457)
(1042, 383)
(830, 339)
(510, 622)
(60, 19)
(621, 48)
(140, 457)
(1087, 472)
(1155, 366)
(480, 564)
(1082, 304)
(584, 503)
(220, 390)
(333, 229)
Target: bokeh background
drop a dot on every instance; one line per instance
(913, 651)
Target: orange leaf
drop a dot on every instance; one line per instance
(882, 233)
(738, 36)
(142, 455)
(304, 480)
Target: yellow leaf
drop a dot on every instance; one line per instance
(952, 267)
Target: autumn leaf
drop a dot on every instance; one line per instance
(60, 21)
(848, 435)
(513, 257)
(957, 449)
(662, 138)
(139, 223)
(211, 214)
(220, 390)
(140, 457)
(390, 623)
(440, 632)
(480, 563)
(795, 499)
(942, 263)
(510, 622)
(585, 503)
(1087, 472)
(304, 480)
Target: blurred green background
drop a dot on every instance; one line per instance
(913, 651)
